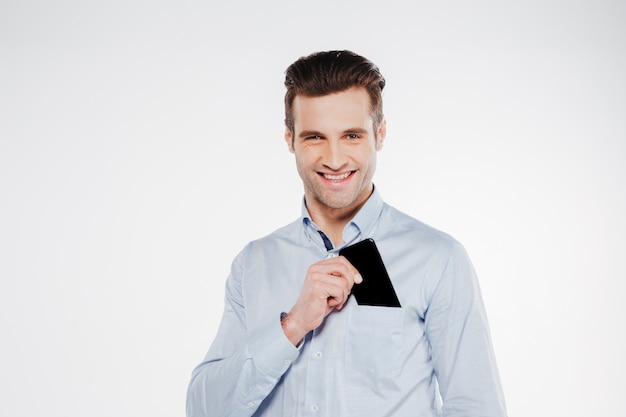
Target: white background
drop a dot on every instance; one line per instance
(141, 148)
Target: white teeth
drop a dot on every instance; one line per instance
(337, 177)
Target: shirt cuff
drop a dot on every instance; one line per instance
(271, 351)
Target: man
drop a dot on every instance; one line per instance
(293, 341)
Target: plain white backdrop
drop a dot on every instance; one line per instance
(141, 148)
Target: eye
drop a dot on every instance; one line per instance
(313, 137)
(352, 136)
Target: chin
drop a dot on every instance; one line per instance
(338, 203)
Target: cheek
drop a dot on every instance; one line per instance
(366, 155)
(306, 156)
(304, 162)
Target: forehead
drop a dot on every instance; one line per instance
(350, 107)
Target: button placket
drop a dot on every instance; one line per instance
(315, 372)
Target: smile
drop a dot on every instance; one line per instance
(337, 177)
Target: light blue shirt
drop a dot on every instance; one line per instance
(431, 357)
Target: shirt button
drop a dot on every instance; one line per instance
(287, 362)
(318, 354)
(250, 404)
(331, 255)
(314, 407)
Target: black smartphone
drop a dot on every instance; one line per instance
(376, 288)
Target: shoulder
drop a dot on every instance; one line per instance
(289, 234)
(403, 225)
(260, 252)
(402, 237)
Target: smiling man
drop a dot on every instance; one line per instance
(295, 340)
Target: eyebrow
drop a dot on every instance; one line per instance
(307, 133)
(359, 130)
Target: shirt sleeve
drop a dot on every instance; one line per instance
(241, 368)
(462, 353)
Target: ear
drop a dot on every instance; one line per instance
(381, 133)
(289, 139)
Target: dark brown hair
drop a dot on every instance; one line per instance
(330, 72)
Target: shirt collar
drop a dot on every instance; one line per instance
(358, 228)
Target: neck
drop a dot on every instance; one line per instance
(332, 221)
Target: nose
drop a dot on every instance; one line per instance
(335, 157)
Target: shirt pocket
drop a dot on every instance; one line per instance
(374, 339)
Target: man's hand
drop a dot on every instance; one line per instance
(326, 287)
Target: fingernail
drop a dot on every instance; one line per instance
(358, 279)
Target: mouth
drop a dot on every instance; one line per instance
(336, 177)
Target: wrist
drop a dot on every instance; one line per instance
(290, 328)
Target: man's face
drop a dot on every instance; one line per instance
(335, 147)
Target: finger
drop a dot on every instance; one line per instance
(353, 273)
(341, 267)
(338, 289)
(326, 285)
(358, 278)
(334, 289)
(336, 303)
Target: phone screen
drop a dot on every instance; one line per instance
(376, 288)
